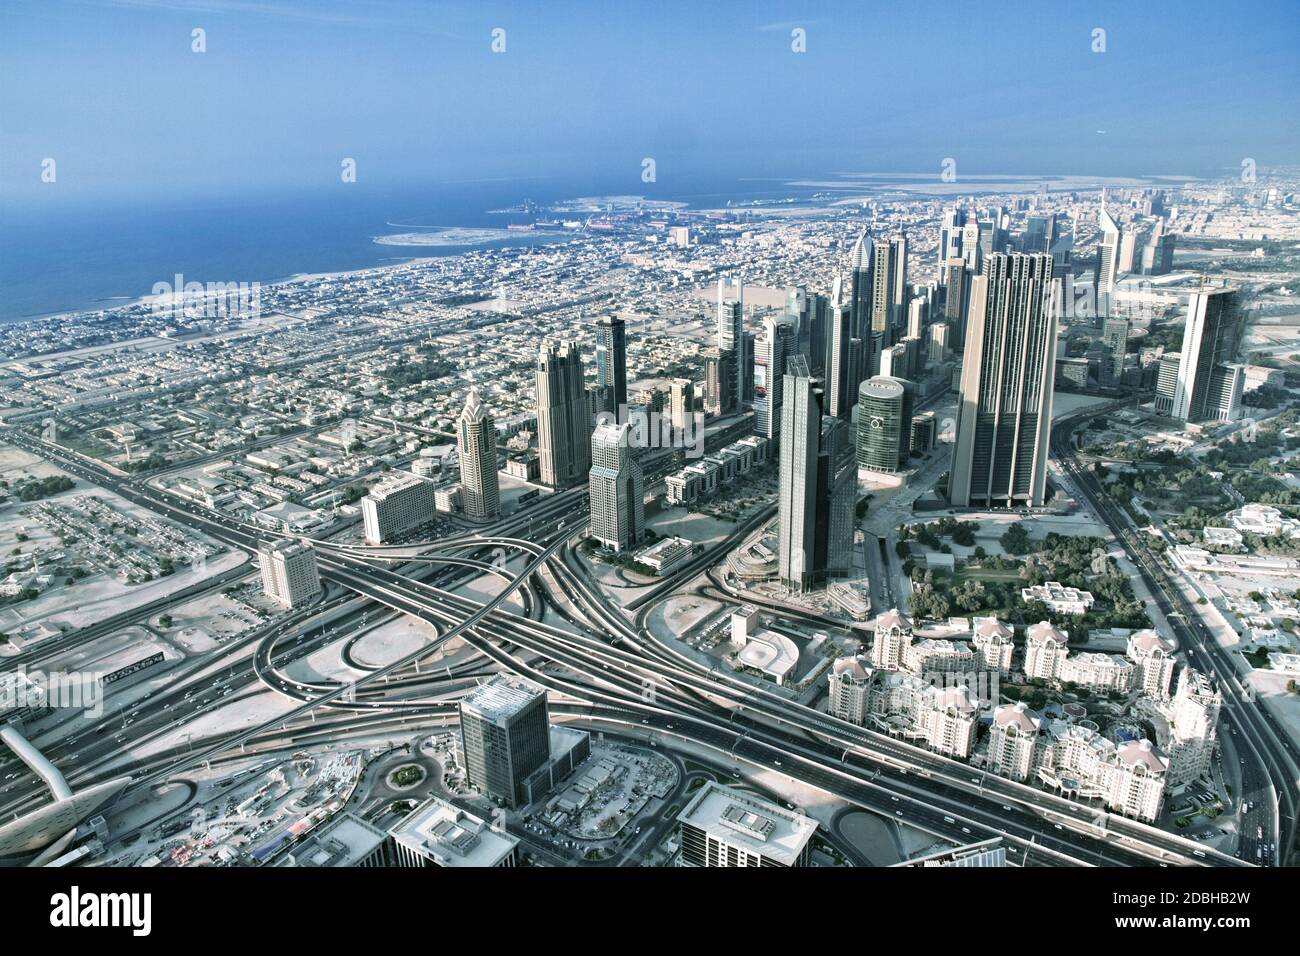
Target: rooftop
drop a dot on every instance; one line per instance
(743, 820)
(502, 697)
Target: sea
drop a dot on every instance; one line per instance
(70, 257)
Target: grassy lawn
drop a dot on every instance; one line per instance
(967, 573)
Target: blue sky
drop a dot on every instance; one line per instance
(413, 92)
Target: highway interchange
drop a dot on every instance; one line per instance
(603, 667)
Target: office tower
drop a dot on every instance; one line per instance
(925, 432)
(746, 359)
(290, 576)
(893, 362)
(505, 735)
(797, 503)
(1193, 726)
(939, 334)
(950, 234)
(563, 415)
(1208, 388)
(1158, 254)
(681, 403)
(1039, 234)
(722, 826)
(396, 506)
(1167, 383)
(837, 498)
(476, 442)
(971, 249)
(611, 363)
(1129, 257)
(843, 364)
(917, 354)
(1114, 335)
(720, 396)
(918, 315)
(778, 343)
(796, 314)
(818, 342)
(1005, 407)
(956, 301)
(1108, 254)
(616, 489)
(885, 291)
(860, 286)
(899, 298)
(731, 334)
(884, 425)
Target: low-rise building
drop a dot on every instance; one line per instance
(1058, 597)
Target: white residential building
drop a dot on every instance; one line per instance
(1013, 736)
(993, 644)
(1045, 651)
(850, 689)
(1102, 673)
(1193, 726)
(1130, 777)
(1153, 655)
(893, 636)
(929, 656)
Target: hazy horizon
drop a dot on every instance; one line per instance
(284, 92)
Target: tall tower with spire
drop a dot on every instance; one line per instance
(476, 442)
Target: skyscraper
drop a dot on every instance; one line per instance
(819, 310)
(950, 235)
(1005, 405)
(884, 287)
(731, 334)
(817, 485)
(797, 501)
(681, 403)
(563, 415)
(956, 301)
(1108, 253)
(720, 397)
(611, 364)
(616, 489)
(505, 735)
(845, 368)
(1209, 385)
(1158, 254)
(860, 285)
(476, 443)
(777, 346)
(1114, 334)
(884, 425)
